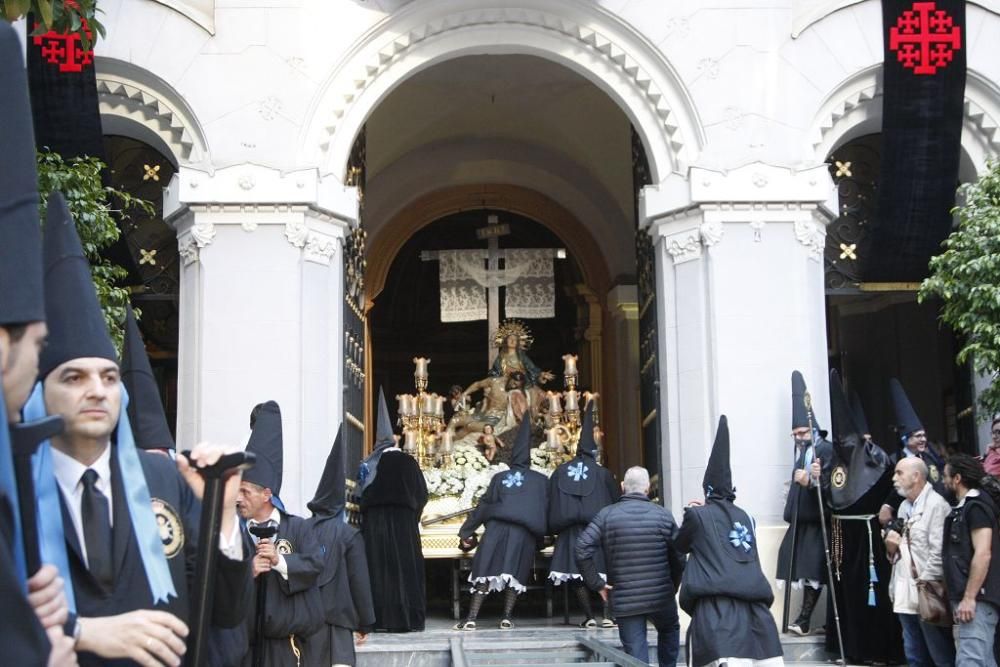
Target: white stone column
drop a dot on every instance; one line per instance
(740, 306)
(261, 309)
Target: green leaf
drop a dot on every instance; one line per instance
(44, 8)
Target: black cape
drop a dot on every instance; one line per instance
(345, 589)
(177, 507)
(572, 505)
(723, 588)
(24, 640)
(294, 608)
(390, 516)
(513, 511)
(810, 560)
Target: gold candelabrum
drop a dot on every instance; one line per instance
(422, 416)
(564, 417)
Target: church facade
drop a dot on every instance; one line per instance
(536, 107)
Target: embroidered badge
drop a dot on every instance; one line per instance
(839, 477)
(283, 547)
(578, 471)
(513, 479)
(170, 527)
(935, 474)
(740, 536)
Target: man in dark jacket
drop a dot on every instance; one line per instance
(724, 590)
(636, 538)
(970, 539)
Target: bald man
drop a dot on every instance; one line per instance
(917, 539)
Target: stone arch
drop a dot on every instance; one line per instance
(137, 103)
(424, 210)
(579, 36)
(855, 109)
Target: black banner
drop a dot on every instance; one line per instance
(924, 76)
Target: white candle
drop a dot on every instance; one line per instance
(421, 371)
(554, 406)
(438, 406)
(553, 439)
(446, 442)
(571, 399)
(409, 440)
(428, 404)
(570, 361)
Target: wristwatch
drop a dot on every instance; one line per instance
(76, 630)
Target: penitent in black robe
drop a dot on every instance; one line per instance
(853, 552)
(346, 591)
(178, 508)
(294, 609)
(576, 495)
(723, 588)
(810, 560)
(390, 516)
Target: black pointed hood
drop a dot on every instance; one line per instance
(907, 420)
(718, 481)
(801, 413)
(145, 408)
(22, 299)
(858, 410)
(384, 440)
(330, 494)
(520, 456)
(267, 443)
(384, 436)
(857, 465)
(76, 322)
(587, 446)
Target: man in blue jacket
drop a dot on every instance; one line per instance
(636, 537)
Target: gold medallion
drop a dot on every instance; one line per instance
(170, 527)
(934, 473)
(283, 546)
(839, 477)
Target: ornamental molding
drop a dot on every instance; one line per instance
(296, 232)
(855, 108)
(812, 235)
(594, 42)
(319, 248)
(711, 232)
(128, 95)
(684, 247)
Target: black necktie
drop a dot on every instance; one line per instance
(96, 529)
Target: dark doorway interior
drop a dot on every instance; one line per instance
(406, 322)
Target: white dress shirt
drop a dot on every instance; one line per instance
(69, 473)
(282, 566)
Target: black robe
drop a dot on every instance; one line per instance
(345, 588)
(810, 559)
(24, 639)
(390, 518)
(294, 609)
(570, 510)
(723, 588)
(513, 510)
(850, 547)
(181, 511)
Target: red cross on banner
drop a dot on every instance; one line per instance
(65, 50)
(925, 38)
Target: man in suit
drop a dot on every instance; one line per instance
(131, 519)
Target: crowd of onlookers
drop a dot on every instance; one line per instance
(944, 586)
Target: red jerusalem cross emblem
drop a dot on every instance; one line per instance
(925, 38)
(66, 50)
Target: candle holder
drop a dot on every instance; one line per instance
(564, 418)
(422, 416)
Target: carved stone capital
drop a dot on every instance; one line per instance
(812, 236)
(684, 247)
(711, 232)
(319, 248)
(297, 233)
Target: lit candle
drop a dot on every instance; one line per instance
(409, 440)
(421, 372)
(554, 406)
(570, 361)
(572, 397)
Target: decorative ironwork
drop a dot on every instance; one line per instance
(355, 326)
(855, 168)
(151, 172)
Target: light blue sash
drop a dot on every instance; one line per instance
(8, 486)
